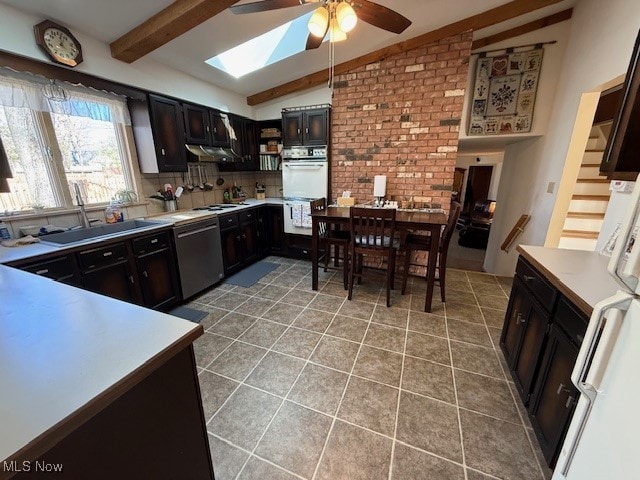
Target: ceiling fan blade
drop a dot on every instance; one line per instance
(263, 6)
(380, 16)
(314, 42)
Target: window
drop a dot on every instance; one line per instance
(57, 136)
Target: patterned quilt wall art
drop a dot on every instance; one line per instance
(504, 93)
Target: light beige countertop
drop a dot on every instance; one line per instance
(580, 276)
(65, 354)
(179, 217)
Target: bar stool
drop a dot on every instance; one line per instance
(413, 242)
(332, 237)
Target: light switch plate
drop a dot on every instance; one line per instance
(551, 187)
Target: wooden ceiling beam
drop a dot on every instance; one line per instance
(482, 20)
(166, 25)
(522, 29)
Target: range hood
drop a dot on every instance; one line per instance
(200, 153)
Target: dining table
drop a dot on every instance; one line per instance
(406, 220)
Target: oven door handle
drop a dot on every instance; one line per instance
(307, 166)
(195, 232)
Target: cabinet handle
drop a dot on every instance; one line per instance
(155, 240)
(107, 254)
(131, 279)
(244, 237)
(162, 151)
(520, 318)
(306, 130)
(562, 388)
(146, 275)
(249, 215)
(528, 278)
(239, 238)
(229, 220)
(215, 130)
(42, 272)
(298, 131)
(570, 401)
(208, 129)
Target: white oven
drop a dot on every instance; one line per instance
(305, 176)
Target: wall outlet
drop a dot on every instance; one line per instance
(551, 187)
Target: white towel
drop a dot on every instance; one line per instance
(306, 216)
(296, 214)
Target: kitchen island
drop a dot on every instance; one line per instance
(95, 386)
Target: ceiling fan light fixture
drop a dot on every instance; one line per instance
(335, 33)
(346, 16)
(318, 22)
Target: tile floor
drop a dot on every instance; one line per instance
(308, 385)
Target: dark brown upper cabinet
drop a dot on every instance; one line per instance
(167, 125)
(197, 129)
(621, 160)
(219, 131)
(305, 127)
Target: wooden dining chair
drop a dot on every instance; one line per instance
(329, 237)
(413, 242)
(372, 233)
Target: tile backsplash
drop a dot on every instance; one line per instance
(148, 185)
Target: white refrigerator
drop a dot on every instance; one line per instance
(603, 440)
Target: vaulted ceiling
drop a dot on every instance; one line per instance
(108, 21)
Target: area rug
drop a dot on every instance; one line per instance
(187, 313)
(252, 274)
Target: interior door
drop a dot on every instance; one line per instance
(478, 184)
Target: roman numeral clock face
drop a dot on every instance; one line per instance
(58, 43)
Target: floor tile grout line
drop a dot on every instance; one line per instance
(344, 391)
(395, 427)
(284, 399)
(222, 439)
(455, 395)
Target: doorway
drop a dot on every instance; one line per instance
(478, 183)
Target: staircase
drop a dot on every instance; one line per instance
(590, 196)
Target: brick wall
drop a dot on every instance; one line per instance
(400, 117)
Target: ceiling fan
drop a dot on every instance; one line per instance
(337, 17)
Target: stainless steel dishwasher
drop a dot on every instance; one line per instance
(199, 253)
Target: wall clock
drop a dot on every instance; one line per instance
(58, 43)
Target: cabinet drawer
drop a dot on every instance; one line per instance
(571, 320)
(55, 269)
(228, 221)
(247, 216)
(151, 243)
(103, 256)
(542, 290)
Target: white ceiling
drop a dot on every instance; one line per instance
(108, 20)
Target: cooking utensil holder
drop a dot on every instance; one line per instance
(170, 205)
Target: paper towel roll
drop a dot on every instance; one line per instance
(380, 186)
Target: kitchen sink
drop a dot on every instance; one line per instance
(99, 231)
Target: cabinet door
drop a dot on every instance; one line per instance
(315, 127)
(292, 133)
(114, 280)
(168, 134)
(251, 145)
(219, 132)
(515, 319)
(238, 144)
(525, 365)
(554, 397)
(157, 275)
(276, 229)
(262, 231)
(61, 269)
(196, 124)
(231, 249)
(249, 236)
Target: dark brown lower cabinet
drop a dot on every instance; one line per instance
(275, 219)
(62, 269)
(156, 270)
(541, 344)
(554, 396)
(154, 429)
(231, 248)
(114, 280)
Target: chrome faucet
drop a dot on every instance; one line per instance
(80, 203)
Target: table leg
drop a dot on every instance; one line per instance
(314, 253)
(431, 266)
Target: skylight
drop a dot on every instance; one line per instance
(266, 49)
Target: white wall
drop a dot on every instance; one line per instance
(16, 36)
(273, 109)
(495, 160)
(600, 45)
